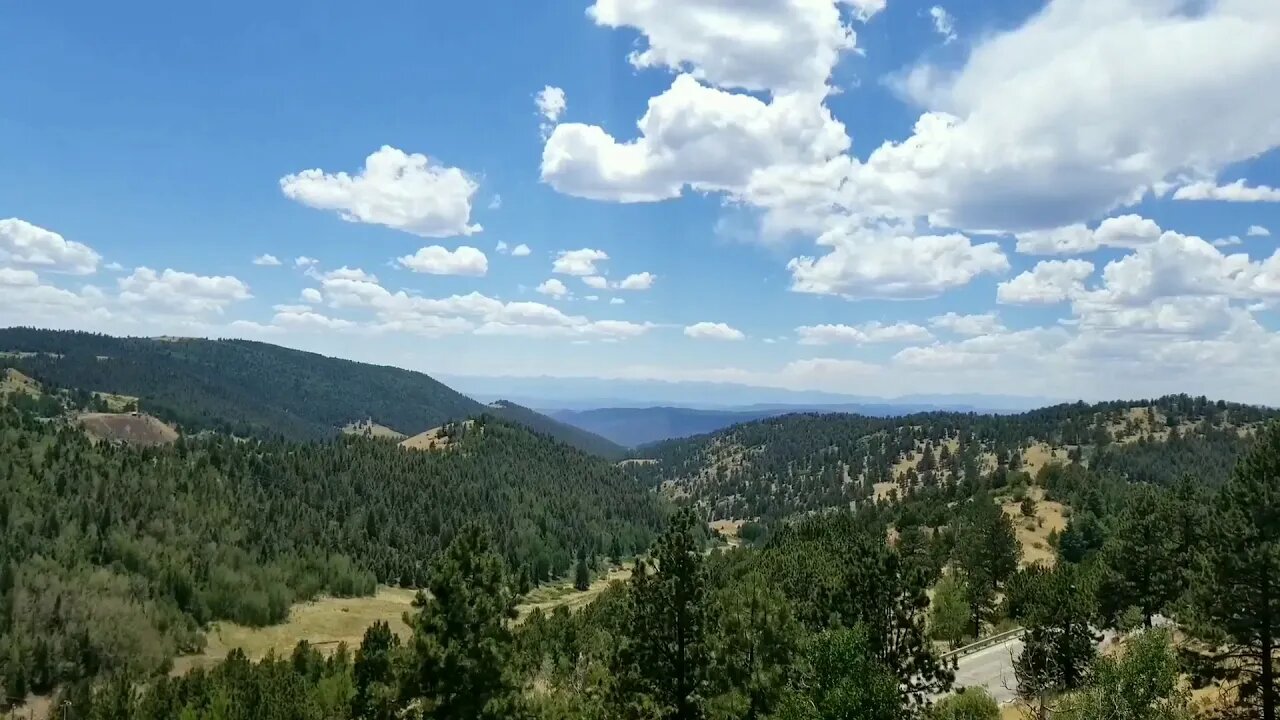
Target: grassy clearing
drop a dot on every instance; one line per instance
(1033, 532)
(131, 428)
(328, 621)
(369, 428)
(116, 402)
(12, 381)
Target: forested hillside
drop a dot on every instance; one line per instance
(114, 557)
(844, 615)
(779, 466)
(254, 389)
(564, 432)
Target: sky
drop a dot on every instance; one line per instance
(1078, 198)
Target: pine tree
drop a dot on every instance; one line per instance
(757, 644)
(1238, 592)
(1059, 645)
(581, 575)
(987, 554)
(461, 645)
(663, 663)
(1140, 561)
(373, 673)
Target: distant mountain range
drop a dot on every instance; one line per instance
(591, 393)
(633, 427)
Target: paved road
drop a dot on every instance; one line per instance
(991, 668)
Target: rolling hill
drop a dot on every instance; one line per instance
(255, 389)
(781, 466)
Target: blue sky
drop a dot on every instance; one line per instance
(816, 185)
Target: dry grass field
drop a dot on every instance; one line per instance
(131, 428)
(369, 428)
(1033, 532)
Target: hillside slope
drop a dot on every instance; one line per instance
(584, 440)
(131, 551)
(256, 389)
(803, 462)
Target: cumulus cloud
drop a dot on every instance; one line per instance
(183, 292)
(578, 262)
(302, 261)
(968, 325)
(870, 264)
(24, 244)
(1237, 191)
(554, 288)
(520, 250)
(870, 332)
(596, 281)
(551, 105)
(617, 301)
(1257, 231)
(312, 295)
(266, 259)
(713, 331)
(399, 190)
(637, 281)
(1050, 281)
(943, 23)
(436, 260)
(1124, 231)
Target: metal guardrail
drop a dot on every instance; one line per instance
(984, 643)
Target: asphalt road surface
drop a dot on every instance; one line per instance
(991, 668)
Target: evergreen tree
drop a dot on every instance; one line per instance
(987, 554)
(1140, 558)
(756, 646)
(968, 704)
(1238, 594)
(1141, 684)
(374, 674)
(1059, 644)
(461, 641)
(663, 664)
(581, 575)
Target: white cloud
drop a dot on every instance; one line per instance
(307, 319)
(578, 262)
(551, 105)
(349, 273)
(24, 244)
(1178, 265)
(501, 247)
(772, 46)
(182, 292)
(437, 260)
(1021, 137)
(870, 332)
(495, 202)
(554, 288)
(692, 135)
(520, 250)
(867, 263)
(312, 295)
(1050, 281)
(943, 23)
(403, 191)
(302, 261)
(1237, 191)
(267, 260)
(713, 331)
(1257, 231)
(617, 301)
(1125, 231)
(113, 266)
(10, 277)
(1229, 241)
(637, 281)
(968, 325)
(596, 281)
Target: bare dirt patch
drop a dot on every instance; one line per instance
(129, 428)
(1039, 455)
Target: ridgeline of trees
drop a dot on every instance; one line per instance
(254, 389)
(780, 466)
(113, 558)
